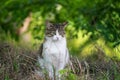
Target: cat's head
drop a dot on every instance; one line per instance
(55, 31)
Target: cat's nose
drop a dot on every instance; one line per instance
(55, 38)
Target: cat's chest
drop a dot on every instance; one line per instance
(54, 48)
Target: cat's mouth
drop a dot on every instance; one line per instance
(56, 38)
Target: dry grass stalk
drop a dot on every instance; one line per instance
(20, 64)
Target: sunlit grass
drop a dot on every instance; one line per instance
(83, 47)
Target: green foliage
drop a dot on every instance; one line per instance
(62, 72)
(95, 19)
(67, 74)
(7, 77)
(16, 66)
(72, 77)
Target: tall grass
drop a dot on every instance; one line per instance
(19, 63)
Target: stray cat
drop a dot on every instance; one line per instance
(54, 55)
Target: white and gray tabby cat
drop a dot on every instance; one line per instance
(54, 55)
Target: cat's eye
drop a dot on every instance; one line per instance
(50, 33)
(53, 32)
(62, 33)
(49, 28)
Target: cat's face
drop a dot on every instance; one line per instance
(55, 31)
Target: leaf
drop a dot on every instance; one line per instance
(37, 37)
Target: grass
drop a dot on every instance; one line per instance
(20, 63)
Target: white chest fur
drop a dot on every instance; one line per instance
(55, 52)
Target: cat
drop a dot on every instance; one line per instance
(54, 55)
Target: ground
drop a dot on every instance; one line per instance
(19, 63)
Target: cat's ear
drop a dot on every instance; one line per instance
(64, 24)
(48, 24)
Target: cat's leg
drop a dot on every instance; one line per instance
(51, 72)
(40, 72)
(63, 64)
(41, 62)
(67, 58)
(58, 75)
(60, 67)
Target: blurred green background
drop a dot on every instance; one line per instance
(93, 24)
